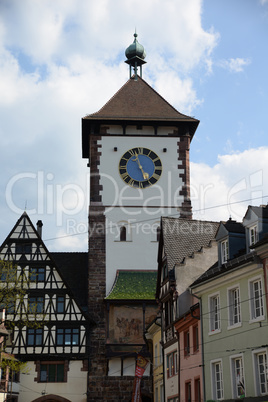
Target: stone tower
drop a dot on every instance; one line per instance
(137, 146)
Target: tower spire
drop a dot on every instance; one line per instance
(135, 54)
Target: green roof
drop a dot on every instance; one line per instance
(134, 285)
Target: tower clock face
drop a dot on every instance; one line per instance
(140, 167)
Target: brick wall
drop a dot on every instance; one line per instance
(100, 386)
(183, 156)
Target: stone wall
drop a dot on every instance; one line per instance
(115, 389)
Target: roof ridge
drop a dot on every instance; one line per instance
(188, 219)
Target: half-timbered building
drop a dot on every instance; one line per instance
(50, 323)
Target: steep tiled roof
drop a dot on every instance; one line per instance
(74, 267)
(136, 100)
(183, 237)
(134, 285)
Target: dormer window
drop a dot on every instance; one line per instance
(253, 235)
(224, 251)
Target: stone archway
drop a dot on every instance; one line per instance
(51, 398)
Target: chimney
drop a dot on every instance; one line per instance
(39, 228)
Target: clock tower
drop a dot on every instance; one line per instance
(137, 146)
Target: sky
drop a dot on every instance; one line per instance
(62, 59)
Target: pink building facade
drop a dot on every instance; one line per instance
(190, 356)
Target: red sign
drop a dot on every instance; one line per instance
(141, 365)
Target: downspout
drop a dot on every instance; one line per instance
(162, 351)
(179, 368)
(202, 343)
(163, 354)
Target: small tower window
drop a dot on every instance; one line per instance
(123, 233)
(158, 233)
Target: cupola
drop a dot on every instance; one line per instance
(135, 54)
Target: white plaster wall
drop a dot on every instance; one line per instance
(140, 251)
(171, 384)
(116, 192)
(144, 130)
(195, 266)
(144, 207)
(75, 389)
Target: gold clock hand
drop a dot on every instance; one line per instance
(144, 174)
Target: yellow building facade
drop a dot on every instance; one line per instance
(154, 337)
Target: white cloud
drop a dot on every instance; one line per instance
(176, 91)
(62, 60)
(227, 188)
(50, 31)
(234, 65)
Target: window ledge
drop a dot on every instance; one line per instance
(234, 326)
(216, 331)
(122, 241)
(258, 319)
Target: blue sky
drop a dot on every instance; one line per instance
(64, 59)
(235, 94)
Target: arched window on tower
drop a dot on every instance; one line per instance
(158, 233)
(123, 233)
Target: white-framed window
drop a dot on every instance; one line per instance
(224, 251)
(214, 313)
(217, 379)
(237, 376)
(172, 364)
(256, 299)
(234, 307)
(261, 371)
(253, 235)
